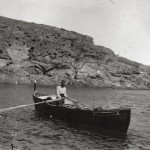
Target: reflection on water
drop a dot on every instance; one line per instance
(24, 128)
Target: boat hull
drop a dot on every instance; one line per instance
(113, 119)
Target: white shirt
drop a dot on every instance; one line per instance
(61, 90)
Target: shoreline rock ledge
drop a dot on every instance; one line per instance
(30, 51)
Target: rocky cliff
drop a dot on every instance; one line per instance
(30, 51)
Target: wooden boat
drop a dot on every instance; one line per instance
(113, 119)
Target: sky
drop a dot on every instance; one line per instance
(121, 25)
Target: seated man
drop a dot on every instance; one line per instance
(61, 93)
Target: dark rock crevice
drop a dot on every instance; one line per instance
(30, 51)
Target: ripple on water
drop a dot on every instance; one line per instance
(23, 127)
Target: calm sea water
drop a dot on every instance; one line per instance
(24, 129)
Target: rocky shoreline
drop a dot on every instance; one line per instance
(30, 51)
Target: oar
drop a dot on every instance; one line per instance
(21, 106)
(76, 101)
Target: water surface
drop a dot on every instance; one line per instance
(23, 127)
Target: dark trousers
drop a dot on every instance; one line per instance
(60, 103)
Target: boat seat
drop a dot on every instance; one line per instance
(53, 97)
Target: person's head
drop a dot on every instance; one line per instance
(63, 83)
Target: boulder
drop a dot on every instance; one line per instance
(30, 51)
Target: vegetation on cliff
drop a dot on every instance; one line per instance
(30, 51)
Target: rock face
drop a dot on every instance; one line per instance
(48, 54)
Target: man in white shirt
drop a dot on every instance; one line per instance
(61, 90)
(61, 93)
